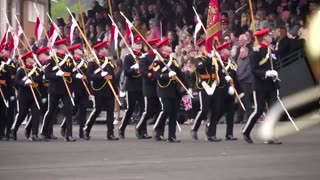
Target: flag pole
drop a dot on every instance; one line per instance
(252, 21)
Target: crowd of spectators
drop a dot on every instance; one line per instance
(175, 19)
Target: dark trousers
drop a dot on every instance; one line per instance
(260, 97)
(98, 104)
(43, 102)
(204, 100)
(223, 104)
(132, 99)
(26, 102)
(81, 102)
(152, 109)
(48, 120)
(11, 112)
(242, 115)
(169, 108)
(3, 117)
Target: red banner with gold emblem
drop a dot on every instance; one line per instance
(213, 25)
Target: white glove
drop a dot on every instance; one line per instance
(231, 90)
(213, 53)
(12, 98)
(135, 66)
(104, 73)
(44, 100)
(27, 82)
(189, 91)
(172, 73)
(60, 73)
(228, 78)
(241, 95)
(79, 76)
(271, 73)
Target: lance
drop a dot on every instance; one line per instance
(95, 58)
(161, 58)
(25, 37)
(23, 67)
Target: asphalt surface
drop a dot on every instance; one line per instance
(98, 159)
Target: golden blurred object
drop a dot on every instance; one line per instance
(313, 44)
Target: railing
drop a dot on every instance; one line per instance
(283, 62)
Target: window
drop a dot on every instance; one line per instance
(32, 13)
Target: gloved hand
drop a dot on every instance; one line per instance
(231, 90)
(60, 73)
(104, 73)
(271, 73)
(12, 98)
(27, 82)
(172, 73)
(228, 78)
(44, 100)
(79, 76)
(135, 66)
(189, 91)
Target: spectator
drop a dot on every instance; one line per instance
(243, 42)
(100, 33)
(245, 81)
(283, 44)
(140, 26)
(154, 31)
(92, 33)
(107, 33)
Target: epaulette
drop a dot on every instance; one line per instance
(233, 66)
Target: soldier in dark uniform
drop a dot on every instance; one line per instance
(206, 79)
(28, 76)
(43, 56)
(224, 99)
(5, 83)
(133, 84)
(80, 94)
(101, 90)
(12, 69)
(57, 89)
(149, 87)
(168, 90)
(265, 86)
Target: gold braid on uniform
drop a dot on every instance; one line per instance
(215, 63)
(37, 74)
(105, 83)
(57, 63)
(197, 80)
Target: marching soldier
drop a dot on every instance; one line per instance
(133, 84)
(265, 85)
(5, 83)
(12, 69)
(223, 97)
(101, 90)
(59, 70)
(168, 90)
(80, 93)
(43, 56)
(206, 78)
(149, 87)
(26, 76)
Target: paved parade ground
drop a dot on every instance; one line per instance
(98, 159)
